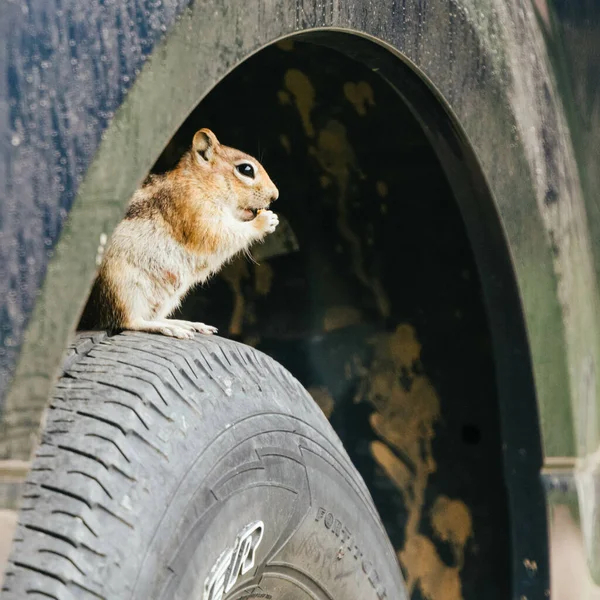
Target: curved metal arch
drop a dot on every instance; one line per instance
(487, 68)
(515, 379)
(535, 186)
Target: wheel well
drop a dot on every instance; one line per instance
(192, 63)
(381, 290)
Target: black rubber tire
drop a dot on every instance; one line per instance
(155, 456)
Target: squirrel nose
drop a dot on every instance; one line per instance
(274, 196)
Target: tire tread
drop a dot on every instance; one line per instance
(119, 399)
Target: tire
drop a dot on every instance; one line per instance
(171, 469)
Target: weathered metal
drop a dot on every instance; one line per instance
(507, 99)
(377, 308)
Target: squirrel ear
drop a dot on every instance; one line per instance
(204, 144)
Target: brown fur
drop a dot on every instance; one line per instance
(195, 205)
(103, 308)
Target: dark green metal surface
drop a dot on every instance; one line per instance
(515, 85)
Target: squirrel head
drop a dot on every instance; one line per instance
(231, 176)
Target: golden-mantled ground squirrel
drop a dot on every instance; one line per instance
(180, 228)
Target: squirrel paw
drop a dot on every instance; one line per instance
(266, 221)
(176, 332)
(162, 327)
(190, 326)
(203, 328)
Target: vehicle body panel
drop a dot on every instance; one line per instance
(84, 115)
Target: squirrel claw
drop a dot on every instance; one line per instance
(190, 326)
(205, 329)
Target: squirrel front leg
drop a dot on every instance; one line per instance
(264, 223)
(188, 325)
(163, 327)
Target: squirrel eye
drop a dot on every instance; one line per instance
(246, 169)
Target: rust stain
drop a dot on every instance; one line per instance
(263, 278)
(323, 398)
(426, 570)
(234, 274)
(284, 97)
(299, 86)
(336, 157)
(360, 95)
(325, 181)
(530, 565)
(252, 340)
(335, 153)
(451, 521)
(355, 369)
(407, 409)
(338, 317)
(382, 188)
(284, 140)
(396, 470)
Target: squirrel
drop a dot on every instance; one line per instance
(179, 230)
